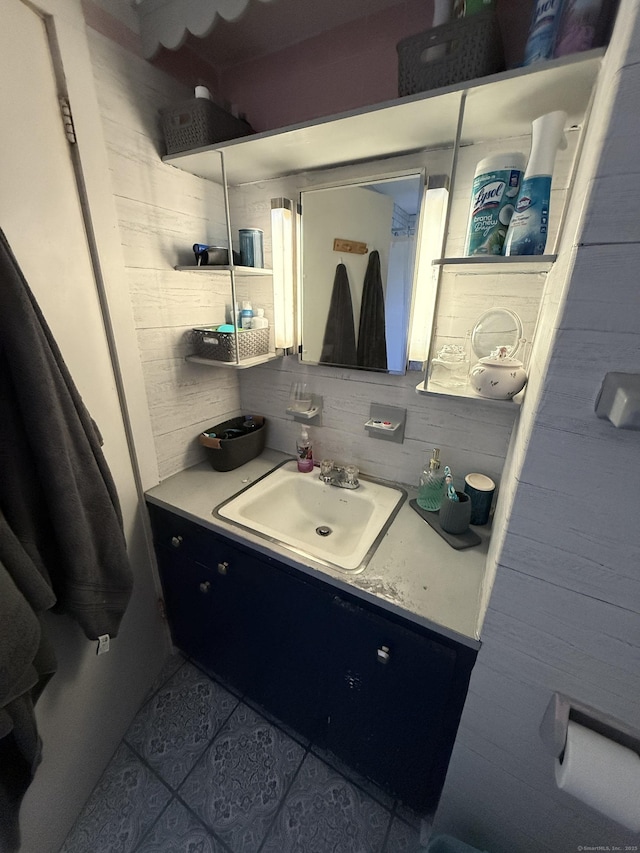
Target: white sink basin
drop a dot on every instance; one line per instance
(339, 527)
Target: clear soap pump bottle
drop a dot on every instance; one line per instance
(431, 491)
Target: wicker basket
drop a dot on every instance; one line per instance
(474, 49)
(221, 346)
(199, 122)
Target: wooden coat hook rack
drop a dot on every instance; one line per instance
(349, 246)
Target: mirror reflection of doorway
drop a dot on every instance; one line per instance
(381, 214)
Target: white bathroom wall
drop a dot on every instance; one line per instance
(122, 10)
(563, 613)
(161, 212)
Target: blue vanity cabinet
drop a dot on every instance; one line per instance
(381, 693)
(396, 696)
(246, 619)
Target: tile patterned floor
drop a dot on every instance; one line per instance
(201, 771)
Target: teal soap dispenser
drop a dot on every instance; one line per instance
(431, 491)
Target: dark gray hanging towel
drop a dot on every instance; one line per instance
(339, 344)
(26, 664)
(62, 544)
(372, 339)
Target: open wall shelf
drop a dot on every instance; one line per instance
(493, 110)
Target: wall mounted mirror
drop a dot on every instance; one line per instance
(358, 264)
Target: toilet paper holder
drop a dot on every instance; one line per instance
(561, 709)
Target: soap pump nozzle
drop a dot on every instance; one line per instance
(434, 462)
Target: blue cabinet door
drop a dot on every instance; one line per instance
(245, 618)
(396, 696)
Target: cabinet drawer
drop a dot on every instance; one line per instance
(184, 537)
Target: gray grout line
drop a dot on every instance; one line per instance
(383, 849)
(283, 801)
(209, 744)
(148, 832)
(202, 823)
(175, 795)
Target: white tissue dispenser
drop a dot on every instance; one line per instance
(596, 759)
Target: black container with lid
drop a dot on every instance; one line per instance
(240, 445)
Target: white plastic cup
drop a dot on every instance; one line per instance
(299, 397)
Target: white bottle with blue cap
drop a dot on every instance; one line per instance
(529, 225)
(246, 315)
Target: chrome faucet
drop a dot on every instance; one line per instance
(342, 476)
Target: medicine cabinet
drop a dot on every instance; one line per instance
(358, 258)
(442, 131)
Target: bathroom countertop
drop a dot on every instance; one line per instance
(413, 572)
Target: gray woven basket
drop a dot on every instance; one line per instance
(199, 122)
(474, 49)
(221, 346)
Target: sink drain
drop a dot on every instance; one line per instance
(323, 530)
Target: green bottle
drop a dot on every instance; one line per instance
(431, 491)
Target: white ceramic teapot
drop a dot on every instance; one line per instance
(498, 376)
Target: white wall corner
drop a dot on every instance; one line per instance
(102, 212)
(123, 10)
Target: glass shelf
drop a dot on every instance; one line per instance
(467, 394)
(241, 365)
(493, 264)
(238, 270)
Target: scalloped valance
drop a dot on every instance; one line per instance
(167, 23)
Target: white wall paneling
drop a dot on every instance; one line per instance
(564, 608)
(161, 212)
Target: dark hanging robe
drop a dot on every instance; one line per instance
(372, 339)
(61, 539)
(339, 344)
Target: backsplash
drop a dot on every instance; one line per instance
(472, 434)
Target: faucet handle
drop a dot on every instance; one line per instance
(326, 467)
(351, 474)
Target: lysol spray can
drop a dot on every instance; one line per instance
(495, 189)
(542, 31)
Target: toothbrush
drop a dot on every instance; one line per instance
(448, 478)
